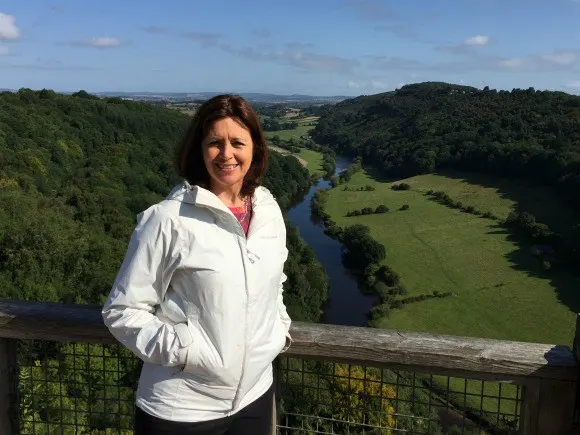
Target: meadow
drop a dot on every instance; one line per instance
(296, 133)
(313, 160)
(499, 289)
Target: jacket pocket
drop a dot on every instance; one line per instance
(204, 365)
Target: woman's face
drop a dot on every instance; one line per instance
(227, 153)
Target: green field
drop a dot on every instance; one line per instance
(500, 196)
(500, 290)
(313, 160)
(290, 134)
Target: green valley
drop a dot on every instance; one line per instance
(499, 288)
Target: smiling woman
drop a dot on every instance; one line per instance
(199, 295)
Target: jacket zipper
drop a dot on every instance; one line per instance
(242, 243)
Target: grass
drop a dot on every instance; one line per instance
(308, 119)
(313, 160)
(500, 291)
(290, 134)
(500, 196)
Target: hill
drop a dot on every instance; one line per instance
(423, 127)
(524, 135)
(76, 170)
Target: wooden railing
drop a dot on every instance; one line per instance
(548, 374)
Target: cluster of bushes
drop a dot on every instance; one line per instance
(525, 223)
(445, 199)
(367, 188)
(436, 294)
(328, 162)
(359, 249)
(401, 186)
(318, 202)
(273, 124)
(551, 247)
(368, 210)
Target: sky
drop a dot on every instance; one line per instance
(315, 47)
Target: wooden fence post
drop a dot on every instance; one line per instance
(551, 406)
(8, 399)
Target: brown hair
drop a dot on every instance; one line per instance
(189, 158)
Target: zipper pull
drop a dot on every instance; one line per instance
(251, 256)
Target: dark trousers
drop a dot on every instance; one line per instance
(254, 419)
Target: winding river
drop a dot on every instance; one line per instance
(346, 305)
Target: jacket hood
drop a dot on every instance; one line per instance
(196, 195)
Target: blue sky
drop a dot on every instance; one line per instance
(317, 47)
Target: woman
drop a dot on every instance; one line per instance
(199, 295)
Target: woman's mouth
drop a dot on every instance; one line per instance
(228, 167)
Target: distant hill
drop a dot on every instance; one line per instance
(251, 96)
(201, 96)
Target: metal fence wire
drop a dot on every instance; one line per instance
(79, 388)
(319, 397)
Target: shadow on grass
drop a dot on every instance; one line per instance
(544, 202)
(548, 207)
(565, 283)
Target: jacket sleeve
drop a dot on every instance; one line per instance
(140, 285)
(284, 314)
(281, 307)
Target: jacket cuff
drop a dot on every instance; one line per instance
(288, 343)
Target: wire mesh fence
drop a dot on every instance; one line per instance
(78, 388)
(319, 397)
(75, 388)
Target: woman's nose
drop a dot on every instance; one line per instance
(227, 151)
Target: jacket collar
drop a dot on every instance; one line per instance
(264, 205)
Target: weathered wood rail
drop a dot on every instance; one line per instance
(547, 373)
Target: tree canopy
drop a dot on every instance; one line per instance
(74, 173)
(431, 126)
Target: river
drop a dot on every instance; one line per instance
(346, 304)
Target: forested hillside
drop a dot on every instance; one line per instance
(431, 126)
(435, 127)
(74, 173)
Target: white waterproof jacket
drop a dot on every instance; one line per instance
(202, 305)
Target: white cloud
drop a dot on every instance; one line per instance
(202, 38)
(561, 57)
(574, 84)
(100, 42)
(104, 41)
(378, 85)
(514, 62)
(8, 29)
(352, 85)
(466, 47)
(477, 40)
(294, 56)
